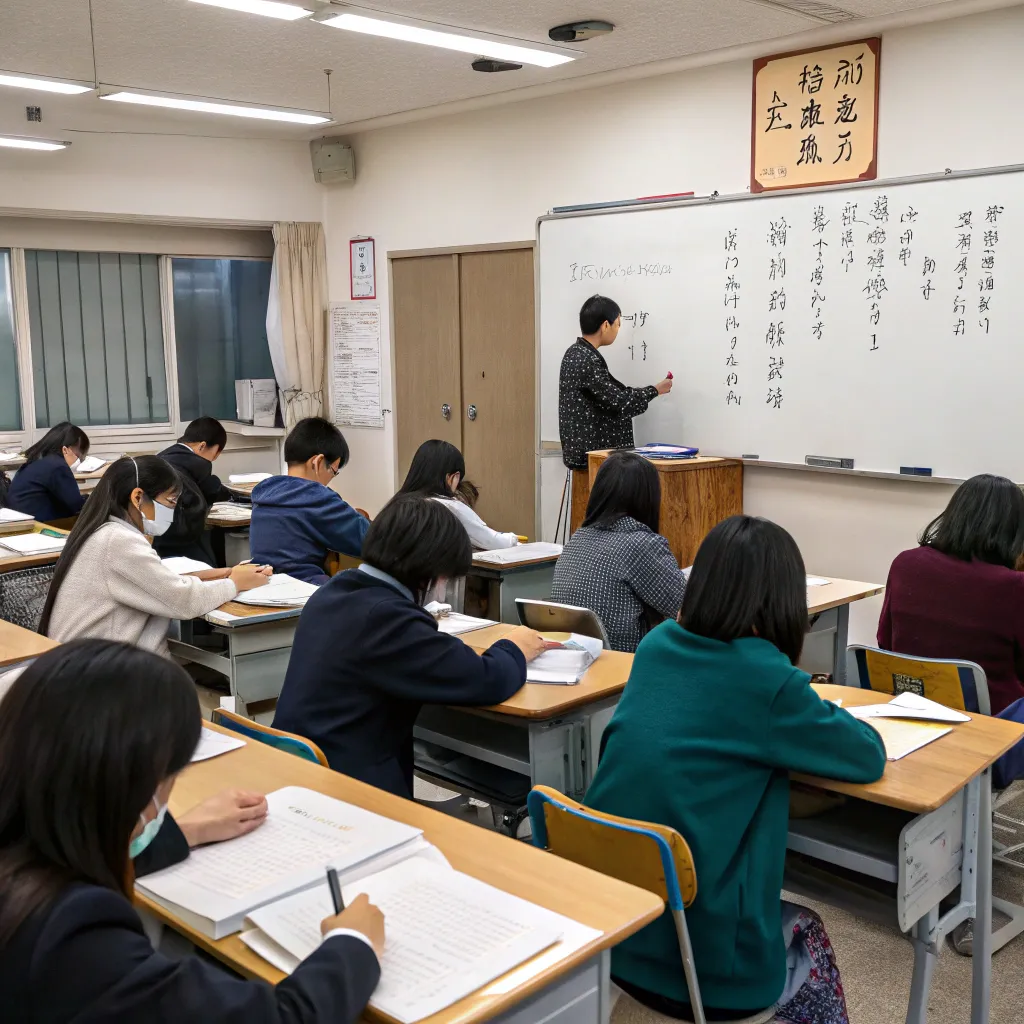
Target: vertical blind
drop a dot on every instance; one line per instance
(10, 398)
(220, 329)
(97, 337)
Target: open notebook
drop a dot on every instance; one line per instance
(305, 833)
(447, 934)
(280, 591)
(564, 665)
(90, 464)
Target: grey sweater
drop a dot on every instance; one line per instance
(118, 589)
(621, 572)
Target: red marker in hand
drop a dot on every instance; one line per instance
(669, 376)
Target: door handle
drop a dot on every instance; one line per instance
(471, 412)
(446, 411)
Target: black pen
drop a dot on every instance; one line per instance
(332, 884)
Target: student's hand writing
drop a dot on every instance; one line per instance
(361, 916)
(528, 641)
(229, 814)
(664, 386)
(247, 576)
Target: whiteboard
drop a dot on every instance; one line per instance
(919, 356)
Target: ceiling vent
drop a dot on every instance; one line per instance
(811, 9)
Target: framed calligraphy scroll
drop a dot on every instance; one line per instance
(815, 117)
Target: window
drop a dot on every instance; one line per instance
(220, 328)
(10, 397)
(97, 338)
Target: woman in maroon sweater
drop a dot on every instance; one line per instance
(960, 594)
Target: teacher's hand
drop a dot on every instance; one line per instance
(664, 386)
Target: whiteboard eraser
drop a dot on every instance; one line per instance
(828, 462)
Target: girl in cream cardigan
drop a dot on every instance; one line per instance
(110, 584)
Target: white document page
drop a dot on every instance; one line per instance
(183, 565)
(212, 744)
(520, 553)
(565, 665)
(304, 833)
(90, 464)
(231, 510)
(448, 934)
(248, 478)
(280, 590)
(910, 705)
(32, 543)
(817, 581)
(455, 622)
(8, 515)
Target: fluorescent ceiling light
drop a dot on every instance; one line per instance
(268, 8)
(374, 24)
(24, 142)
(17, 81)
(211, 106)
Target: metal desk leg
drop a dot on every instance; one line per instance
(981, 989)
(926, 956)
(842, 641)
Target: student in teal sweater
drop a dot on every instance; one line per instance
(714, 718)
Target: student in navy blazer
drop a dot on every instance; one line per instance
(92, 736)
(45, 487)
(367, 656)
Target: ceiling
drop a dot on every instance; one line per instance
(183, 47)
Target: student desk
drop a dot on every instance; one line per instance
(87, 481)
(925, 826)
(572, 990)
(548, 734)
(259, 644)
(17, 645)
(530, 578)
(829, 608)
(11, 562)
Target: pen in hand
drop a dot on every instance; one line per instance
(336, 897)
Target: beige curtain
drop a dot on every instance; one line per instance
(297, 319)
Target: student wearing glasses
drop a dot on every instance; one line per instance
(298, 519)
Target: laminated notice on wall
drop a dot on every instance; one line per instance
(355, 364)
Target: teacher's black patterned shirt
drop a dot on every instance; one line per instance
(595, 411)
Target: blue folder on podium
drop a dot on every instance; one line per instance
(659, 450)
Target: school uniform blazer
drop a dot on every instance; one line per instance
(86, 957)
(46, 490)
(366, 658)
(200, 489)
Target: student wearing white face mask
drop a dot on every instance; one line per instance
(77, 822)
(45, 487)
(110, 584)
(367, 656)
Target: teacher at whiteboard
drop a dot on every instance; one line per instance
(595, 411)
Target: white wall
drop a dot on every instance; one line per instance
(486, 176)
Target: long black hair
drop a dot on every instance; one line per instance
(984, 520)
(626, 485)
(432, 464)
(87, 734)
(418, 542)
(111, 497)
(748, 579)
(56, 439)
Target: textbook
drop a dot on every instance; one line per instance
(520, 553)
(447, 934)
(32, 543)
(280, 591)
(304, 833)
(564, 664)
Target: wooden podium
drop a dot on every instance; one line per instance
(696, 494)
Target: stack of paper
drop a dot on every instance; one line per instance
(182, 565)
(667, 451)
(908, 722)
(304, 834)
(231, 510)
(248, 478)
(565, 664)
(447, 934)
(10, 456)
(455, 623)
(280, 591)
(8, 515)
(521, 553)
(213, 744)
(32, 543)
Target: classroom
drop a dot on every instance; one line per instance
(513, 508)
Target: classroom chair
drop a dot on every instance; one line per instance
(651, 856)
(277, 738)
(963, 686)
(548, 617)
(23, 594)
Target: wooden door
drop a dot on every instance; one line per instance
(425, 304)
(498, 380)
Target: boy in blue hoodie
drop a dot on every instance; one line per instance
(297, 519)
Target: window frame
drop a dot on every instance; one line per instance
(108, 438)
